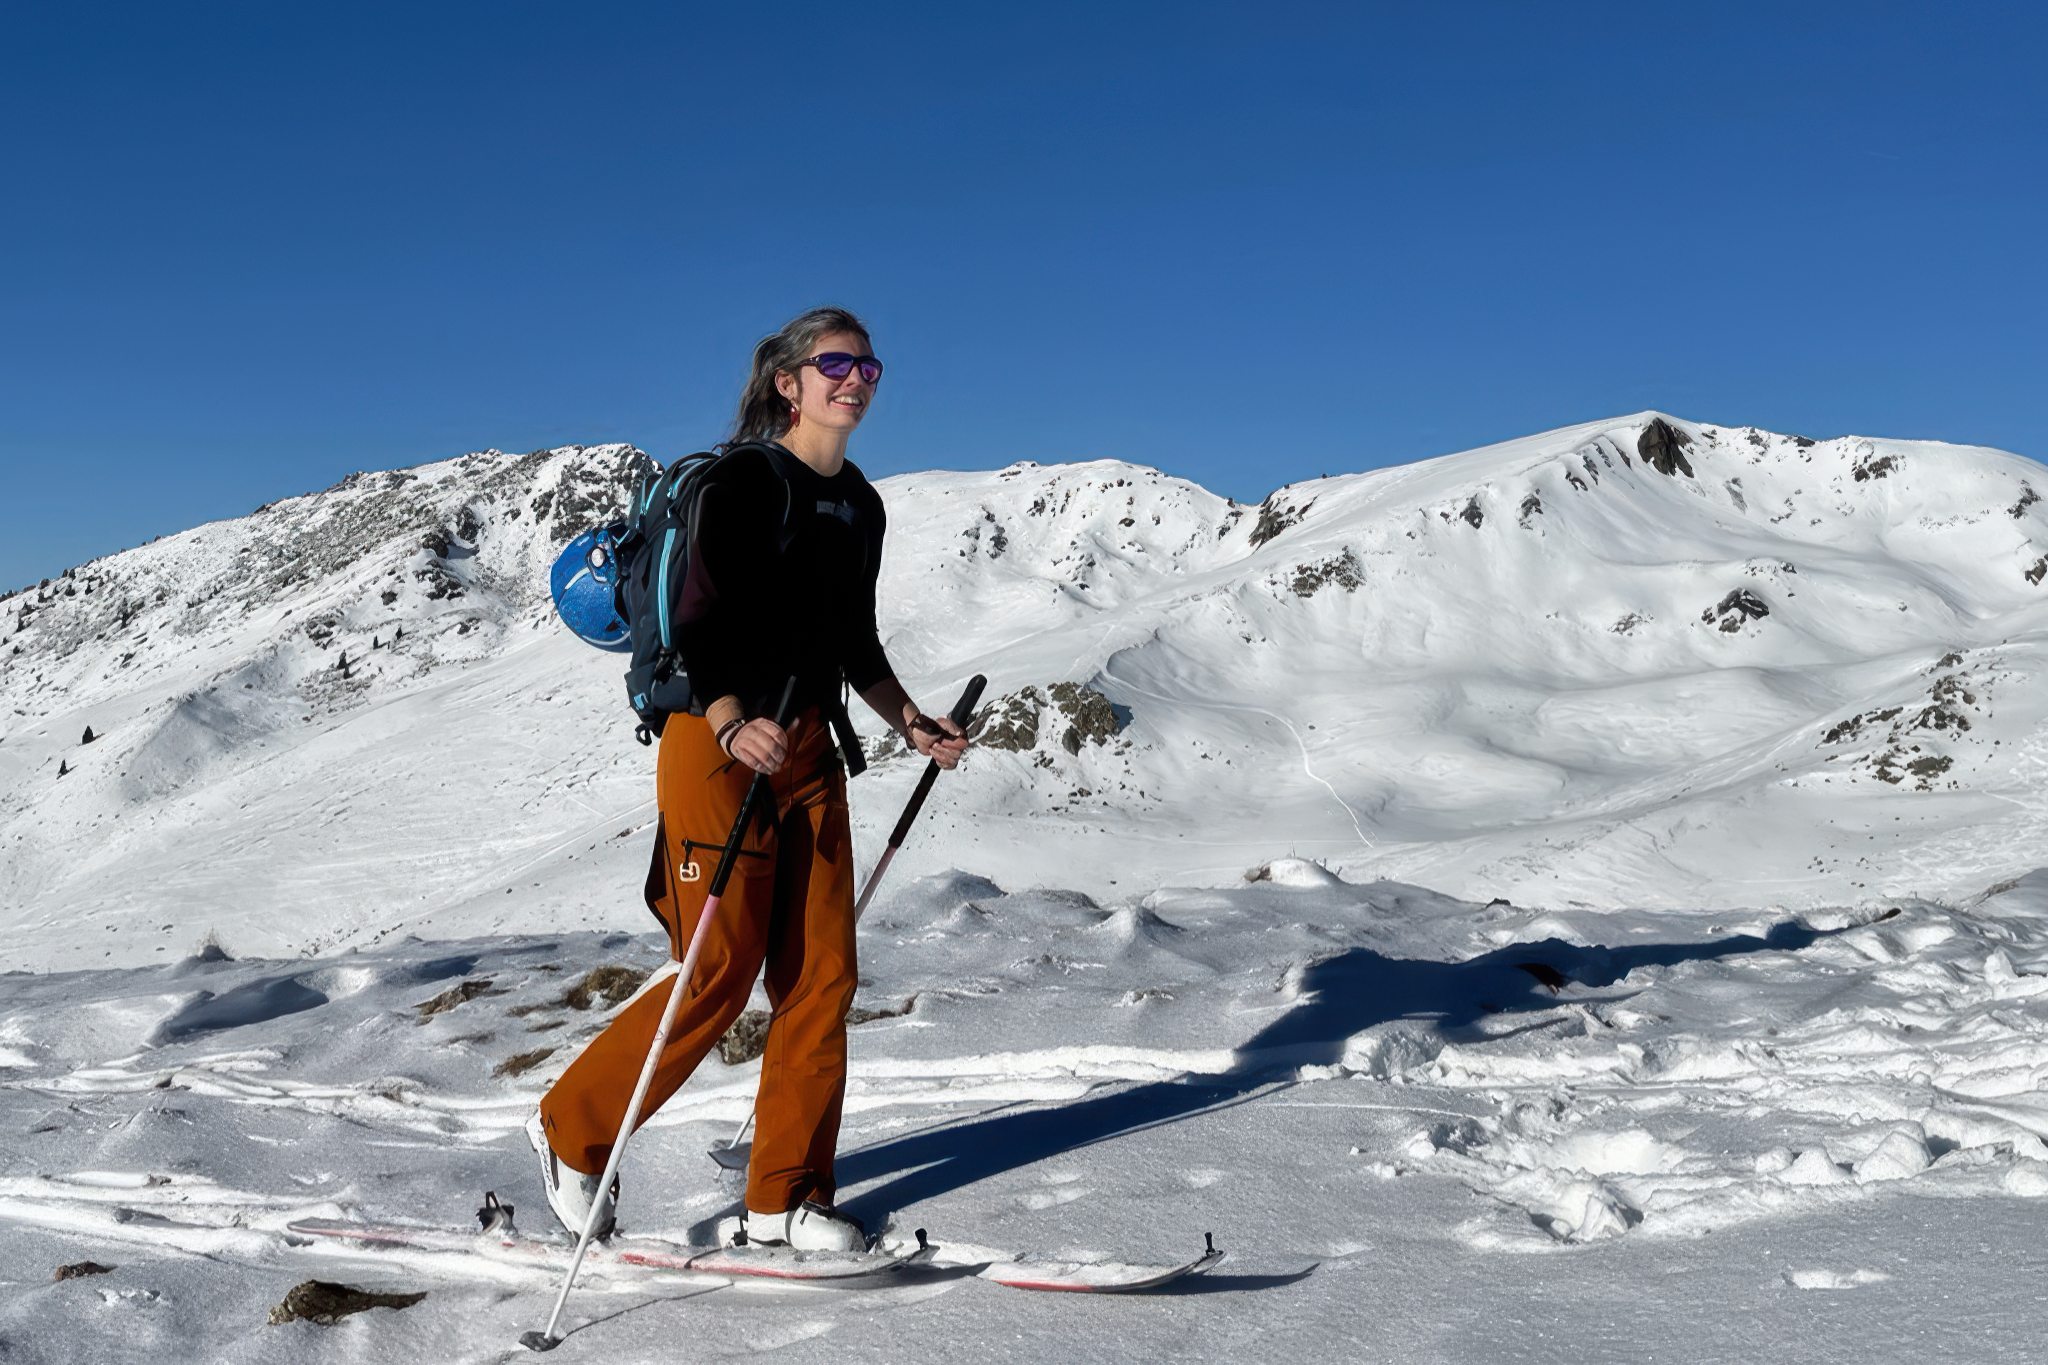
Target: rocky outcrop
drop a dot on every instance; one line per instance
(1735, 609)
(1077, 715)
(1662, 447)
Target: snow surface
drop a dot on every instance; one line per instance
(1510, 944)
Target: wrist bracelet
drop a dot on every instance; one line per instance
(725, 734)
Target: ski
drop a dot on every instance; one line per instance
(500, 1240)
(1017, 1271)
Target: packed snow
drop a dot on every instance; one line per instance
(1574, 900)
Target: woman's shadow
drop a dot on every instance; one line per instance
(1341, 996)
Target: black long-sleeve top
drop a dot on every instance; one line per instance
(782, 580)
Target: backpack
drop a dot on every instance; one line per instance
(651, 547)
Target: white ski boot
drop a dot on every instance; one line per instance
(810, 1226)
(570, 1192)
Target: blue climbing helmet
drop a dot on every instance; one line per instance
(584, 583)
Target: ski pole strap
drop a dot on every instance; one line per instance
(963, 710)
(729, 856)
(849, 741)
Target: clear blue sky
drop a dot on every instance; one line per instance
(248, 248)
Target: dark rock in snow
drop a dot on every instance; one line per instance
(78, 1269)
(520, 1063)
(325, 1302)
(1662, 446)
(612, 984)
(1343, 570)
(1738, 606)
(746, 1039)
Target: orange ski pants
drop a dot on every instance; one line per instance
(789, 904)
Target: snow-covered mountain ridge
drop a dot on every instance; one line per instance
(1640, 661)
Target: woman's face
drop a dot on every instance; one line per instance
(832, 404)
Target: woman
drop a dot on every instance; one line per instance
(781, 584)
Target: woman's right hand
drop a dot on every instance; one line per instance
(761, 744)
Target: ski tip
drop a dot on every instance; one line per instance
(539, 1341)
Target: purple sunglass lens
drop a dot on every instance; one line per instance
(838, 364)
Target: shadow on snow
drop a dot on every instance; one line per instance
(1342, 995)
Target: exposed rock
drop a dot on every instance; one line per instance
(2038, 571)
(522, 1062)
(1472, 516)
(1853, 727)
(1737, 607)
(1872, 467)
(79, 1269)
(325, 1302)
(1662, 447)
(613, 984)
(746, 1039)
(458, 994)
(1091, 719)
(857, 1016)
(996, 540)
(1344, 570)
(1532, 506)
(1275, 517)
(1009, 723)
(1013, 723)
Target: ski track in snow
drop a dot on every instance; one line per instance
(1300, 744)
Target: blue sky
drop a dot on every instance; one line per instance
(249, 248)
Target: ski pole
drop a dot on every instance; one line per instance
(963, 710)
(728, 857)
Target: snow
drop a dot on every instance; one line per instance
(1503, 961)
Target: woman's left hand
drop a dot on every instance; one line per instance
(938, 739)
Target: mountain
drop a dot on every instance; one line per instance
(1638, 662)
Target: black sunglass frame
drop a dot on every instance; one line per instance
(863, 362)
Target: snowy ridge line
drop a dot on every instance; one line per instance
(1637, 661)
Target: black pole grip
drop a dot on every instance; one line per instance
(963, 710)
(729, 856)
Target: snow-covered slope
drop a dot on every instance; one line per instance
(1641, 661)
(1423, 1130)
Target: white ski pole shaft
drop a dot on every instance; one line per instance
(547, 1340)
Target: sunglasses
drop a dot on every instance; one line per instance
(838, 365)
